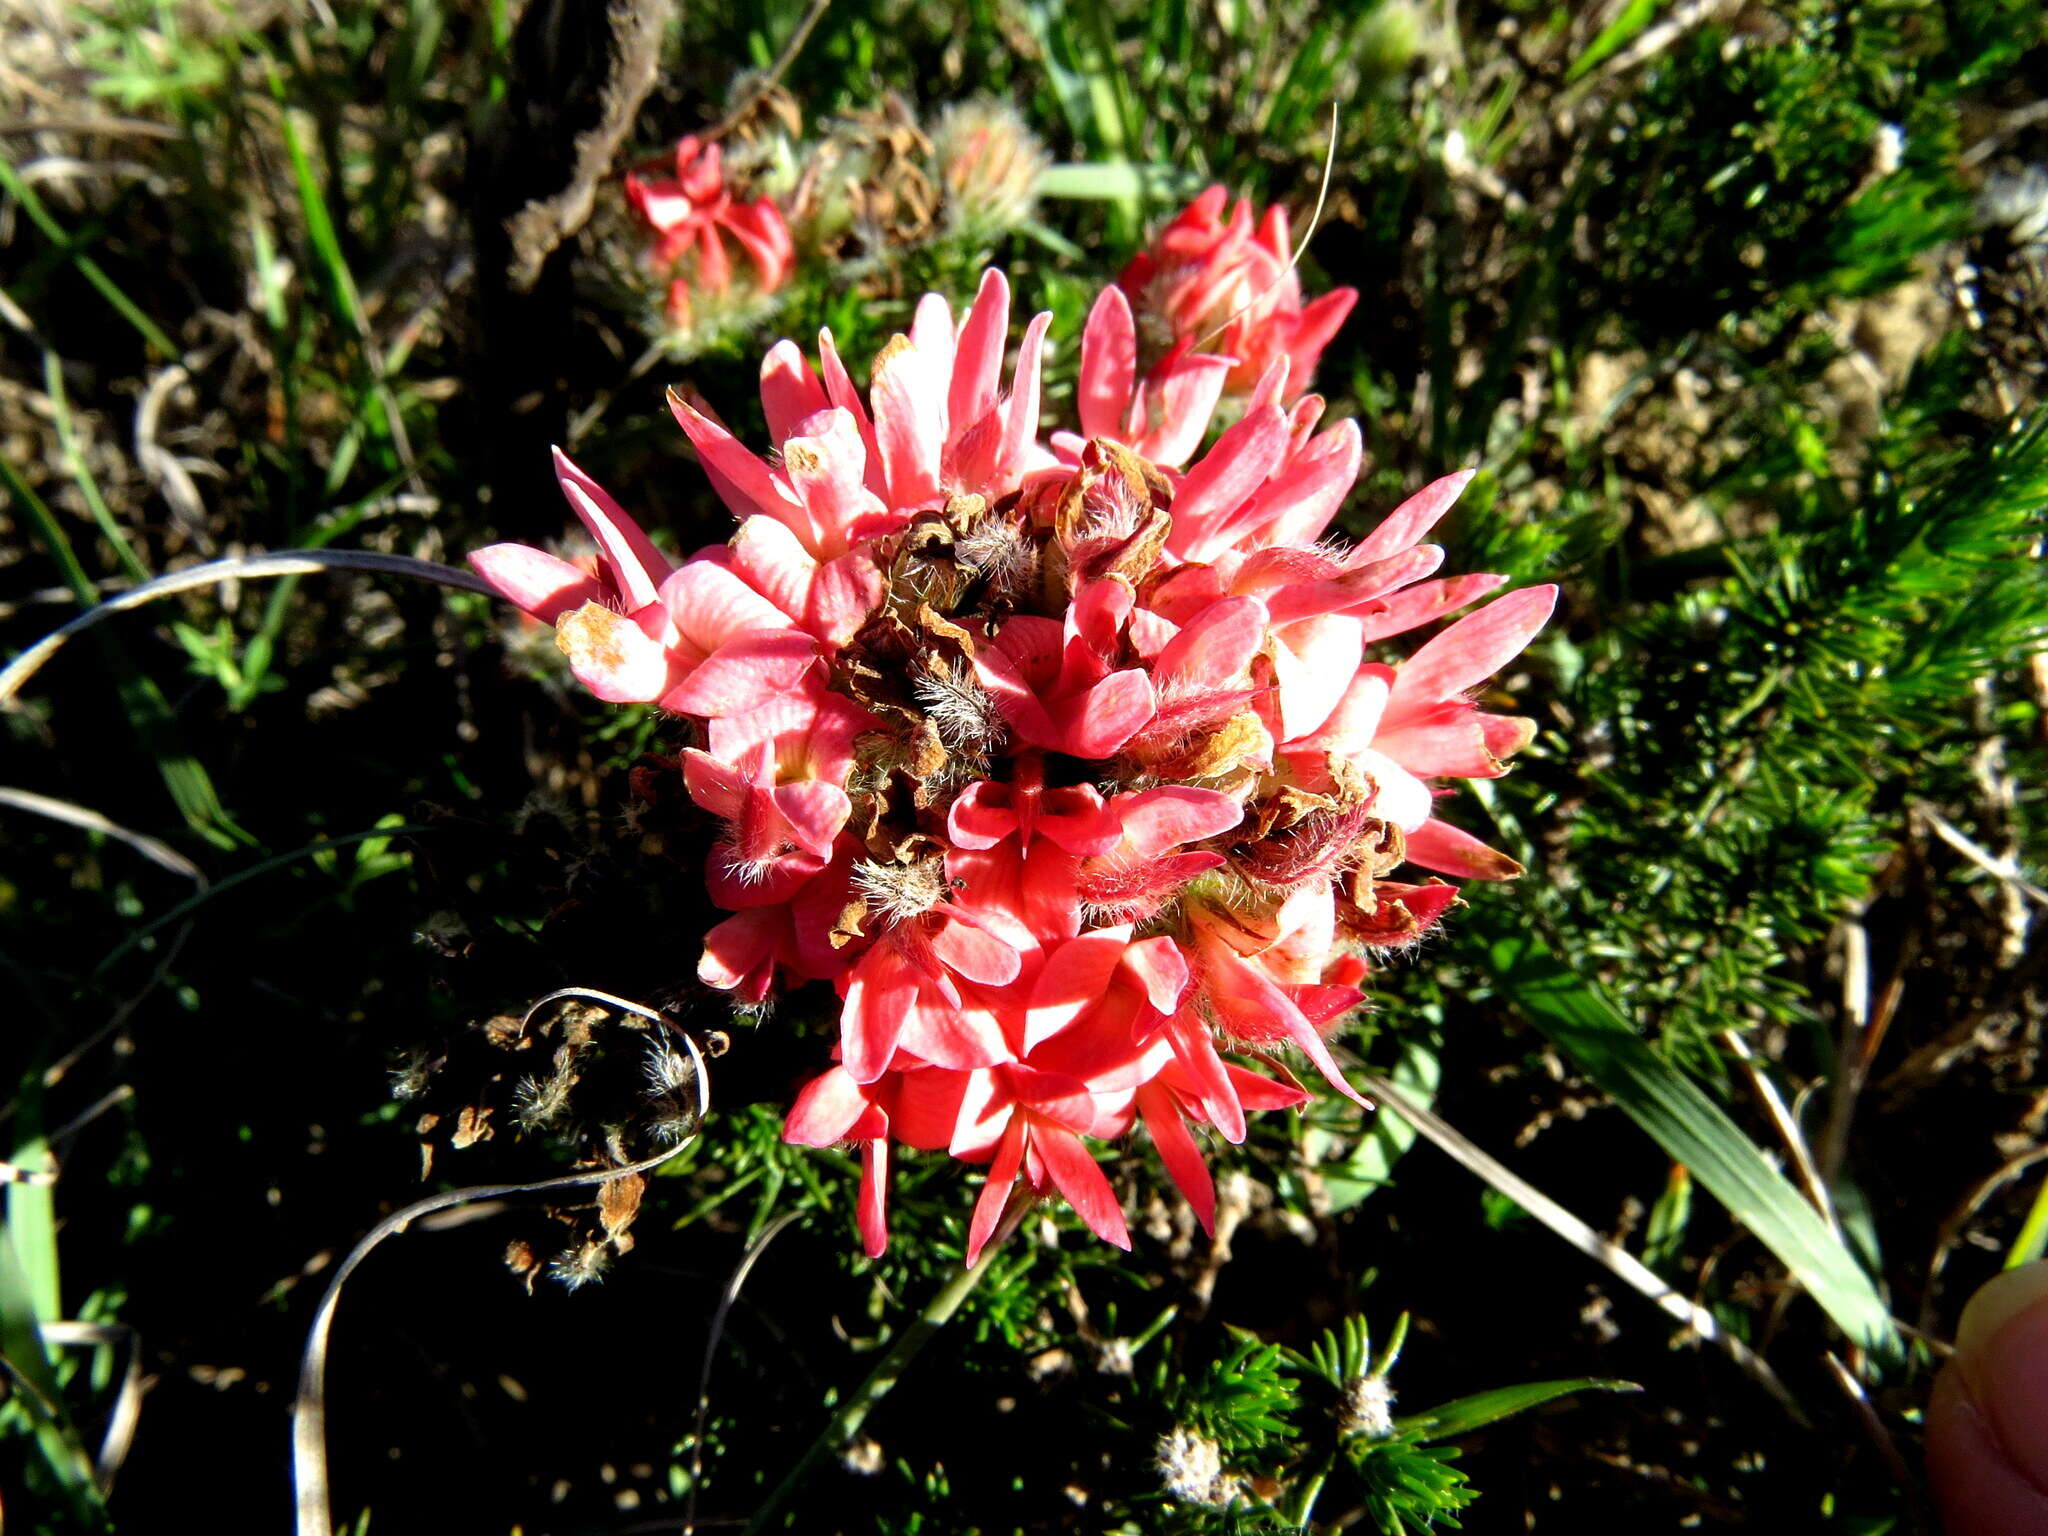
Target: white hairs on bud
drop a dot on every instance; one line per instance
(901, 891)
(958, 706)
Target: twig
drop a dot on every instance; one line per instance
(2002, 870)
(158, 853)
(1877, 1433)
(1786, 1125)
(764, 83)
(1852, 1055)
(585, 419)
(290, 562)
(1952, 1224)
(1581, 1236)
(1656, 39)
(112, 127)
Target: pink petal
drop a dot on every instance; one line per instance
(1313, 663)
(839, 391)
(1178, 1152)
(1419, 605)
(1250, 1005)
(709, 605)
(1074, 978)
(535, 581)
(743, 674)
(995, 1190)
(1194, 1048)
(1161, 969)
(1314, 328)
(717, 786)
(789, 390)
(1256, 1092)
(978, 359)
(980, 816)
(612, 655)
(1183, 402)
(825, 1109)
(1015, 699)
(1473, 649)
(1444, 848)
(1078, 820)
(1224, 478)
(1020, 417)
(910, 422)
(1446, 742)
(826, 463)
(742, 481)
(1109, 714)
(953, 1036)
(1398, 795)
(637, 566)
(1109, 361)
(1407, 523)
(1215, 647)
(1080, 1178)
(974, 953)
(740, 954)
(1301, 500)
(815, 813)
(931, 332)
(874, 1197)
(881, 991)
(1157, 820)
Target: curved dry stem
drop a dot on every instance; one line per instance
(732, 1292)
(158, 853)
(309, 1408)
(120, 1431)
(290, 562)
(1315, 220)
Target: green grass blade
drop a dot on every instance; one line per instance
(143, 704)
(28, 1299)
(1615, 36)
(1688, 1125)
(90, 270)
(1466, 1414)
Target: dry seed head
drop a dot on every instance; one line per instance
(959, 708)
(999, 550)
(901, 891)
(536, 1103)
(582, 1265)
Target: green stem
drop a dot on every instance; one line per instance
(846, 1422)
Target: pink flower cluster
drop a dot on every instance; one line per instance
(1214, 290)
(691, 214)
(1069, 768)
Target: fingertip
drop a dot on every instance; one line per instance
(1979, 1489)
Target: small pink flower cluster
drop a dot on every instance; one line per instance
(1067, 766)
(691, 214)
(1213, 290)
